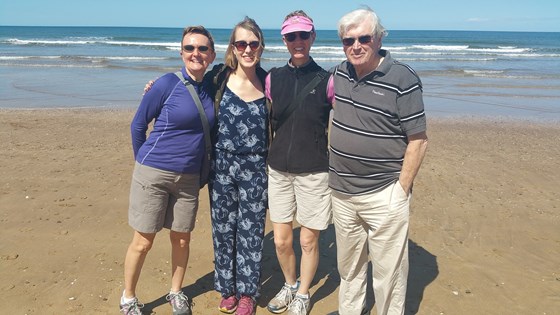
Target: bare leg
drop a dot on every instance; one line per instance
(309, 239)
(179, 258)
(134, 260)
(283, 240)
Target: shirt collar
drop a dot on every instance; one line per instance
(381, 69)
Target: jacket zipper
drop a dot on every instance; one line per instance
(293, 124)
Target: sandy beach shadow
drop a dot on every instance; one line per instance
(201, 286)
(423, 269)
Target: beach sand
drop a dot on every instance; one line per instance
(484, 234)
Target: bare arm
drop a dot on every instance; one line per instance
(415, 151)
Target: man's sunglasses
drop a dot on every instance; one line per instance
(191, 48)
(241, 45)
(290, 37)
(349, 41)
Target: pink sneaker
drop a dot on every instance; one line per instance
(228, 305)
(246, 306)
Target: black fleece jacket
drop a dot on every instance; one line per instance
(300, 143)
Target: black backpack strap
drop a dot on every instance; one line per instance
(219, 84)
(298, 99)
(262, 74)
(268, 101)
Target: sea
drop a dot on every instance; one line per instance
(464, 73)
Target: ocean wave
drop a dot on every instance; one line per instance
(89, 41)
(27, 57)
(57, 42)
(445, 59)
(473, 49)
(155, 44)
(438, 47)
(481, 56)
(501, 50)
(459, 48)
(42, 65)
(67, 57)
(484, 71)
(318, 59)
(322, 49)
(481, 73)
(173, 46)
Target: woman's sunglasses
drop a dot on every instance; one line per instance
(191, 48)
(290, 37)
(241, 45)
(349, 41)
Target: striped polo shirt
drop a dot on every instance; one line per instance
(373, 118)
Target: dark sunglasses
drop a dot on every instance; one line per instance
(349, 41)
(290, 37)
(191, 48)
(241, 45)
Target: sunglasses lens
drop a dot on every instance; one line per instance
(191, 48)
(290, 37)
(254, 45)
(349, 41)
(240, 45)
(364, 39)
(304, 35)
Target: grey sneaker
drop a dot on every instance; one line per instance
(131, 308)
(299, 306)
(280, 302)
(180, 303)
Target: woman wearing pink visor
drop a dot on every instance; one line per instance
(301, 95)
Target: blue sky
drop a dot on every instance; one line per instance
(488, 15)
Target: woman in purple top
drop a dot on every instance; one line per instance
(165, 183)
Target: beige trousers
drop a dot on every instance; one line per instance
(373, 226)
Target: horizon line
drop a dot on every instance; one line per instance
(318, 29)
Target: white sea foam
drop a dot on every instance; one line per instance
(58, 65)
(439, 47)
(16, 41)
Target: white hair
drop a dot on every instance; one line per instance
(357, 17)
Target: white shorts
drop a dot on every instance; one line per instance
(306, 195)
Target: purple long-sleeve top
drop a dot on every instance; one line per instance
(176, 142)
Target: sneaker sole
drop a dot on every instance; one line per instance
(227, 311)
(277, 310)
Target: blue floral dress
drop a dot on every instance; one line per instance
(239, 194)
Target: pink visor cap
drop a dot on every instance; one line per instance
(296, 24)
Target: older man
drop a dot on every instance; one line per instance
(378, 142)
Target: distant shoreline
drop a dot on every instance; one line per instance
(274, 29)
